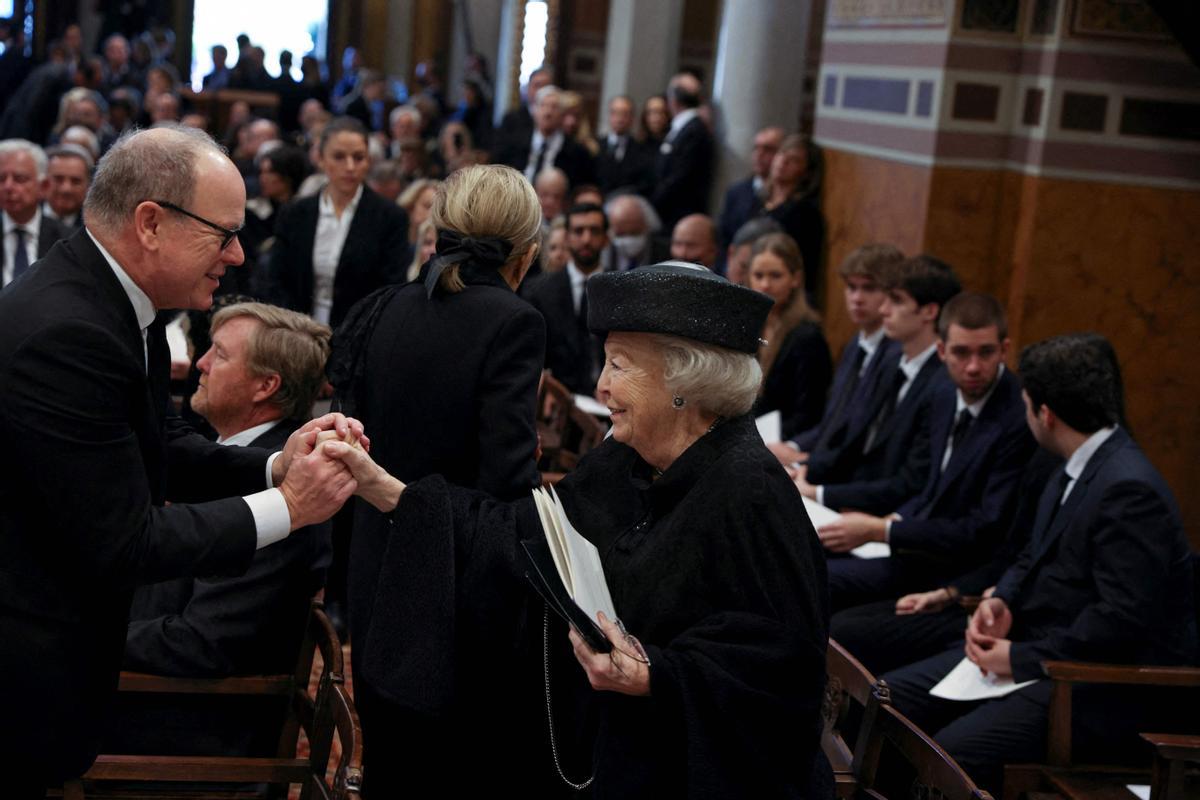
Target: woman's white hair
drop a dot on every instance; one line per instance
(718, 380)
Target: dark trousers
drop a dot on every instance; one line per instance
(883, 641)
(982, 736)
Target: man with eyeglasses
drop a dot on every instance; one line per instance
(102, 488)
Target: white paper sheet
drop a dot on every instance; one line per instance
(1142, 791)
(966, 682)
(590, 405)
(872, 550)
(590, 591)
(770, 427)
(819, 514)
(177, 341)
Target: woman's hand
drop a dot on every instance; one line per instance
(375, 485)
(624, 669)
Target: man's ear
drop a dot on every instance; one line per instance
(268, 385)
(147, 225)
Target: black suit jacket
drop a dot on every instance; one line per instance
(741, 204)
(572, 158)
(683, 174)
(634, 172)
(50, 231)
(374, 255)
(895, 466)
(964, 511)
(513, 133)
(1108, 577)
(215, 627)
(570, 349)
(92, 459)
(798, 380)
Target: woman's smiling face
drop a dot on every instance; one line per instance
(633, 388)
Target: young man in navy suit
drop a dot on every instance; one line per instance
(979, 444)
(885, 461)
(1106, 577)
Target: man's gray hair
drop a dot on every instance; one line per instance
(141, 167)
(72, 151)
(546, 91)
(9, 146)
(405, 111)
(653, 221)
(719, 380)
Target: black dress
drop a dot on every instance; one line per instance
(714, 566)
(799, 380)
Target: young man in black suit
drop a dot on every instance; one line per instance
(1106, 577)
(859, 366)
(28, 232)
(623, 163)
(94, 455)
(979, 447)
(574, 355)
(683, 170)
(886, 459)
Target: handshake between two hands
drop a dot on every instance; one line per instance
(323, 464)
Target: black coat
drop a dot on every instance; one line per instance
(683, 173)
(92, 459)
(572, 158)
(634, 172)
(798, 381)
(372, 256)
(714, 567)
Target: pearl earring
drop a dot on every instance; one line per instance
(678, 402)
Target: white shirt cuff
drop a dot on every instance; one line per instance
(270, 463)
(272, 522)
(887, 530)
(820, 490)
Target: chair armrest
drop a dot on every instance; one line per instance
(1082, 672)
(1175, 746)
(281, 685)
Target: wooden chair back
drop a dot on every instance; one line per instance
(931, 773)
(852, 694)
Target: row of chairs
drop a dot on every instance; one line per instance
(323, 714)
(565, 431)
(877, 752)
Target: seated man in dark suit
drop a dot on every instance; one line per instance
(574, 355)
(548, 146)
(886, 459)
(979, 445)
(258, 383)
(744, 199)
(623, 163)
(683, 169)
(1105, 577)
(28, 232)
(860, 364)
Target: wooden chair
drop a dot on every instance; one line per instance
(929, 773)
(566, 432)
(851, 692)
(319, 713)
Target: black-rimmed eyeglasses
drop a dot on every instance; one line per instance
(229, 235)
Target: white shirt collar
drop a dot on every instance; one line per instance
(243, 438)
(911, 366)
(33, 227)
(977, 407)
(681, 119)
(871, 342)
(143, 307)
(1083, 454)
(326, 203)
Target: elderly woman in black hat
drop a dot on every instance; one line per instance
(709, 556)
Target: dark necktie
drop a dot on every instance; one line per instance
(20, 255)
(541, 158)
(1061, 486)
(961, 426)
(158, 366)
(618, 150)
(887, 409)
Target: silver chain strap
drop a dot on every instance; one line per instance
(579, 787)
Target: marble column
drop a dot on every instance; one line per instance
(761, 51)
(483, 18)
(397, 56)
(642, 49)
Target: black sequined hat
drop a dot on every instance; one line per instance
(680, 299)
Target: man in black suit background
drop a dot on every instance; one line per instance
(683, 170)
(979, 447)
(623, 163)
(517, 124)
(68, 176)
(744, 199)
(886, 461)
(258, 382)
(1105, 577)
(28, 233)
(574, 355)
(547, 145)
(94, 455)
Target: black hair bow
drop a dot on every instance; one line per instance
(488, 252)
